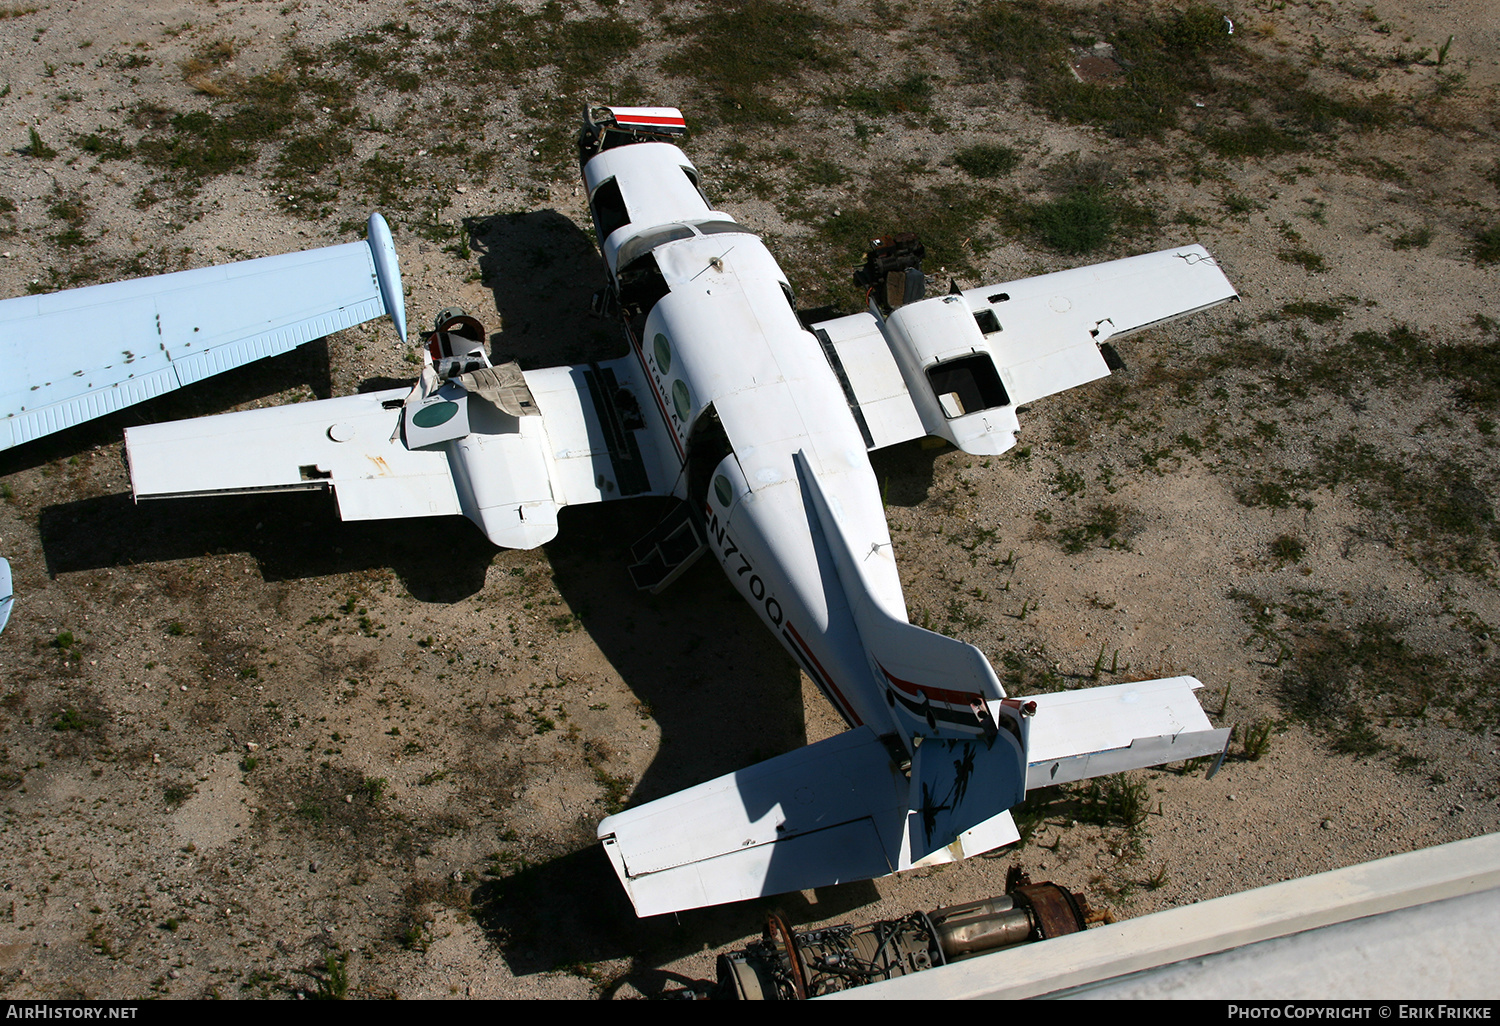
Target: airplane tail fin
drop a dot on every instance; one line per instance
(969, 744)
(852, 808)
(942, 686)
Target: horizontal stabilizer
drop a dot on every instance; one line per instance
(960, 784)
(1093, 732)
(71, 356)
(828, 813)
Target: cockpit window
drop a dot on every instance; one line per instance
(716, 227)
(647, 241)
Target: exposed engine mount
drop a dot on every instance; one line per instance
(786, 965)
(892, 273)
(456, 343)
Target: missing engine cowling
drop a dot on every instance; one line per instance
(892, 273)
(789, 965)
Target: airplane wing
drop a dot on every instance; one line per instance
(580, 437)
(7, 595)
(957, 366)
(71, 356)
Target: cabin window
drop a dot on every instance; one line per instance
(609, 209)
(987, 321)
(967, 385)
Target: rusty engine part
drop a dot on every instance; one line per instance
(892, 273)
(787, 965)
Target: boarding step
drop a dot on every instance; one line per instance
(669, 549)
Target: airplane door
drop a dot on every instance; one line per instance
(707, 446)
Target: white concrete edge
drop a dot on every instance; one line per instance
(1219, 924)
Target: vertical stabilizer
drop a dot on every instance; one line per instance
(938, 686)
(969, 746)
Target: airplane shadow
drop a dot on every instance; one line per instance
(722, 692)
(905, 472)
(543, 270)
(290, 536)
(572, 911)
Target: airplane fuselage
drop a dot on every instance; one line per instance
(742, 388)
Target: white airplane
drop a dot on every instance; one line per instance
(762, 427)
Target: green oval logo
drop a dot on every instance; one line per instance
(432, 416)
(680, 400)
(663, 353)
(723, 490)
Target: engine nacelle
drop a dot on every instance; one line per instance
(951, 374)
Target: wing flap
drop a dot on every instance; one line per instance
(872, 380)
(71, 356)
(1034, 373)
(344, 444)
(600, 442)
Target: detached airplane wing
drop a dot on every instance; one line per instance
(71, 356)
(957, 366)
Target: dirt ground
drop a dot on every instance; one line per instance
(247, 750)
